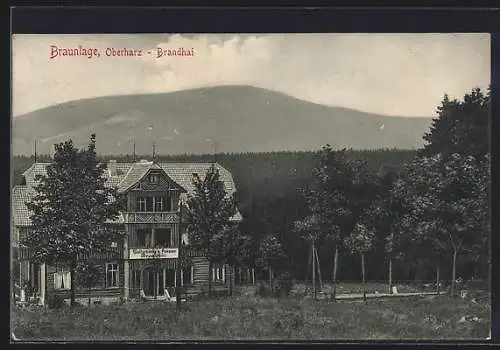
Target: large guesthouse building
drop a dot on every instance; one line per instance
(143, 265)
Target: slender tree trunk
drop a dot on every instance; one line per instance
(313, 270)
(363, 274)
(72, 282)
(155, 280)
(319, 269)
(453, 273)
(335, 265)
(231, 281)
(390, 274)
(90, 293)
(270, 273)
(309, 262)
(178, 294)
(209, 278)
(490, 276)
(437, 279)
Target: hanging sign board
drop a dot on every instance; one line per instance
(153, 253)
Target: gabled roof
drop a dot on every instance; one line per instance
(129, 173)
(20, 213)
(182, 173)
(122, 176)
(139, 170)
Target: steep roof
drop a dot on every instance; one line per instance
(125, 175)
(122, 176)
(20, 213)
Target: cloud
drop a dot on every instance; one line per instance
(399, 74)
(226, 62)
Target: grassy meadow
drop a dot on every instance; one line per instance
(250, 317)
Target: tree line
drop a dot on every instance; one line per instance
(413, 214)
(434, 211)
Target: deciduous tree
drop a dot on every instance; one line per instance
(341, 190)
(448, 203)
(360, 241)
(209, 213)
(72, 209)
(271, 255)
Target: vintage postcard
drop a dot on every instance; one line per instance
(278, 187)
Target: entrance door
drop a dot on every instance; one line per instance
(154, 284)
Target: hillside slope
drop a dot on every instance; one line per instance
(238, 118)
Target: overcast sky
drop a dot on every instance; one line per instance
(395, 74)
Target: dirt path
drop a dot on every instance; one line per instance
(383, 295)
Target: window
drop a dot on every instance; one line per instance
(185, 239)
(187, 276)
(62, 280)
(168, 203)
(144, 237)
(153, 178)
(218, 274)
(141, 204)
(111, 275)
(222, 273)
(157, 204)
(136, 279)
(150, 203)
(163, 237)
(160, 203)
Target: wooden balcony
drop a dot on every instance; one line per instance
(151, 217)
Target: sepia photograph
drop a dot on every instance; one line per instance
(250, 187)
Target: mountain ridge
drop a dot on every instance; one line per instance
(225, 118)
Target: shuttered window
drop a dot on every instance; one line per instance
(111, 275)
(62, 280)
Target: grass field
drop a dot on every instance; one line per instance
(356, 288)
(248, 317)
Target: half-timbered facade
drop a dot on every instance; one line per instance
(143, 265)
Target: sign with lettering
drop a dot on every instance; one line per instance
(153, 253)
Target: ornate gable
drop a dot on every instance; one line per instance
(155, 180)
(147, 176)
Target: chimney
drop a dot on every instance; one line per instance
(112, 167)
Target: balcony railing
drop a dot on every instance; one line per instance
(151, 217)
(113, 253)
